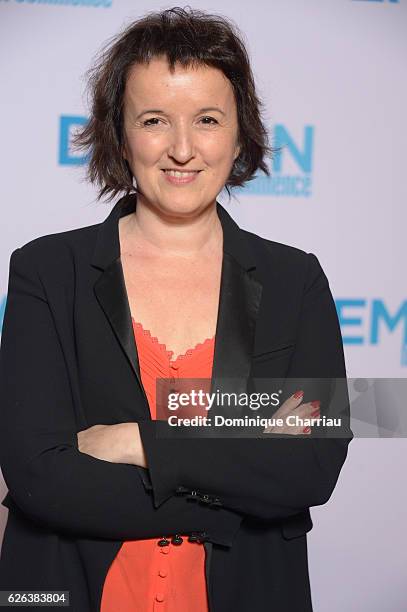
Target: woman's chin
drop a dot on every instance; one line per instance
(185, 206)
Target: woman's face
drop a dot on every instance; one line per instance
(186, 122)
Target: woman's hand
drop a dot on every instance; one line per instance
(293, 406)
(120, 443)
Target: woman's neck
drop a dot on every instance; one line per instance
(160, 234)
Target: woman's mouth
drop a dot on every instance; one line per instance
(180, 177)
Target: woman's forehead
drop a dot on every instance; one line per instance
(155, 80)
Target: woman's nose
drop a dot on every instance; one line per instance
(181, 145)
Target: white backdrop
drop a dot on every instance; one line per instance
(332, 76)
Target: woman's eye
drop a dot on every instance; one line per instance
(147, 122)
(211, 119)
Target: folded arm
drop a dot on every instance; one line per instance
(48, 478)
(265, 478)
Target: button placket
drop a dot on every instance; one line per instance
(164, 568)
(161, 579)
(173, 376)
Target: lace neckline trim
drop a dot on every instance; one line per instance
(169, 352)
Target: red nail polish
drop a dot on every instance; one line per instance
(298, 394)
(315, 413)
(306, 430)
(315, 404)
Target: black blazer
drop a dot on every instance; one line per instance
(69, 361)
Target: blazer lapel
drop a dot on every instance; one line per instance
(239, 301)
(240, 297)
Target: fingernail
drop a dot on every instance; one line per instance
(315, 413)
(306, 430)
(298, 394)
(315, 404)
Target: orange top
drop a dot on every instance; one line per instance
(145, 576)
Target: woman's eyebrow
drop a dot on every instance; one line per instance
(211, 108)
(161, 112)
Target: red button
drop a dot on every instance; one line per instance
(159, 597)
(162, 573)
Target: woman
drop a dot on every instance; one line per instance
(102, 502)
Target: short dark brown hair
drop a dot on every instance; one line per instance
(185, 36)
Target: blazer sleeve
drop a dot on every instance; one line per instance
(48, 478)
(269, 477)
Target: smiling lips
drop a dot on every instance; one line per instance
(180, 177)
